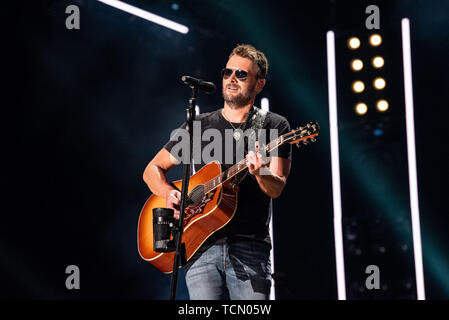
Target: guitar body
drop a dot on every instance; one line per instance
(212, 213)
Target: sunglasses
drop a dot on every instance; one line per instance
(240, 74)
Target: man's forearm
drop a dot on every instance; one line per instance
(271, 184)
(156, 180)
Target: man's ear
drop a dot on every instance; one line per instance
(260, 84)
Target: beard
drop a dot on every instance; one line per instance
(239, 100)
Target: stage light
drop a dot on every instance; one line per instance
(378, 62)
(375, 40)
(147, 15)
(335, 163)
(379, 83)
(382, 105)
(356, 65)
(353, 43)
(411, 155)
(265, 105)
(361, 108)
(358, 86)
(378, 132)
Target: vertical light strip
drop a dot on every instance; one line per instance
(197, 112)
(411, 153)
(338, 234)
(265, 105)
(147, 15)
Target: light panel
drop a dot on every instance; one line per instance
(146, 15)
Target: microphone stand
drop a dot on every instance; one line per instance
(180, 253)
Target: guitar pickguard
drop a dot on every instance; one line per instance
(192, 211)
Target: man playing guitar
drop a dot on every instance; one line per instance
(234, 262)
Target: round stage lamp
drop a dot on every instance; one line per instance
(358, 86)
(353, 43)
(375, 40)
(382, 105)
(361, 108)
(378, 62)
(356, 65)
(379, 83)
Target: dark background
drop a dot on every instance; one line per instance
(86, 110)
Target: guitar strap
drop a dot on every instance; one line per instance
(256, 120)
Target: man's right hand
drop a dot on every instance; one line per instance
(173, 200)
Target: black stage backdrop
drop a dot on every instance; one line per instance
(85, 110)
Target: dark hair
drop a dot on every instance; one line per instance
(256, 56)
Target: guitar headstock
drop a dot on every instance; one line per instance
(302, 135)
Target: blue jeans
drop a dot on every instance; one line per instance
(237, 270)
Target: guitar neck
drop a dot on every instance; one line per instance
(225, 176)
(297, 136)
(237, 168)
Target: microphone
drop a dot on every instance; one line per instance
(207, 87)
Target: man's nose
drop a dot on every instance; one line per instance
(233, 77)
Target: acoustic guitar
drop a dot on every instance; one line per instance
(213, 202)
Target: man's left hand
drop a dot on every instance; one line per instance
(255, 161)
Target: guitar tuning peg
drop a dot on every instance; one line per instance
(298, 144)
(313, 139)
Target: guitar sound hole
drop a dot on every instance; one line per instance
(196, 195)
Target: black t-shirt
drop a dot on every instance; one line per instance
(252, 217)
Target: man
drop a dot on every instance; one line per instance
(235, 261)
